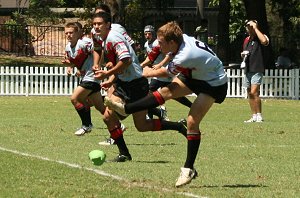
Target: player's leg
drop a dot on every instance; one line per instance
(116, 132)
(175, 89)
(198, 110)
(78, 99)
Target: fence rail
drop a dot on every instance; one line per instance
(53, 81)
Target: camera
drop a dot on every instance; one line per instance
(245, 54)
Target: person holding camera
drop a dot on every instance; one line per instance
(254, 67)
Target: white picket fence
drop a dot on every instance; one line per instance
(53, 81)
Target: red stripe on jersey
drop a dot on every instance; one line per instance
(155, 52)
(158, 98)
(78, 61)
(185, 71)
(156, 125)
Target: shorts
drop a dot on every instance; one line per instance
(156, 84)
(133, 90)
(200, 86)
(93, 86)
(253, 78)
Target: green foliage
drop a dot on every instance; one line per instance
(237, 17)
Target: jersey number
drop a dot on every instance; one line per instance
(204, 47)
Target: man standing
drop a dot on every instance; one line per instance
(253, 45)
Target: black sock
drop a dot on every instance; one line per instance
(150, 101)
(154, 111)
(169, 125)
(184, 101)
(84, 114)
(192, 151)
(120, 142)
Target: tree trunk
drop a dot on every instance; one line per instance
(256, 10)
(223, 50)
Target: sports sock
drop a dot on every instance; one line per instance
(84, 114)
(194, 139)
(184, 101)
(161, 125)
(150, 101)
(117, 135)
(154, 111)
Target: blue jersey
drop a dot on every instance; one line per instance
(82, 57)
(116, 48)
(196, 60)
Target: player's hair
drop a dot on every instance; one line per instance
(106, 16)
(103, 7)
(149, 28)
(75, 25)
(171, 31)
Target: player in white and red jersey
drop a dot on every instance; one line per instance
(156, 59)
(130, 85)
(79, 54)
(197, 70)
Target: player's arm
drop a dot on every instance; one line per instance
(149, 72)
(164, 62)
(96, 56)
(146, 62)
(117, 69)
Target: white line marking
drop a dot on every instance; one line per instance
(99, 172)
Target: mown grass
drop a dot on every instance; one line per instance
(41, 61)
(235, 159)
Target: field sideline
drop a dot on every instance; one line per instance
(40, 156)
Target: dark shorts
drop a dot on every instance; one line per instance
(156, 84)
(200, 86)
(93, 86)
(133, 90)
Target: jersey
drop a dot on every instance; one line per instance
(82, 57)
(116, 27)
(196, 60)
(116, 48)
(255, 61)
(155, 56)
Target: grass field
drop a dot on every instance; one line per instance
(41, 157)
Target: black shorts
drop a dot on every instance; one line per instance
(156, 84)
(133, 90)
(93, 86)
(200, 86)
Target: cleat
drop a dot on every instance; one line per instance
(122, 158)
(183, 129)
(164, 115)
(116, 106)
(259, 119)
(107, 142)
(250, 120)
(186, 176)
(83, 130)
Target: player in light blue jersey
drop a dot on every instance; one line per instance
(79, 54)
(126, 74)
(196, 69)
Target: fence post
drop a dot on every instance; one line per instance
(27, 81)
(296, 84)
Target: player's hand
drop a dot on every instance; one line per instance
(109, 65)
(100, 74)
(78, 73)
(106, 85)
(66, 62)
(95, 68)
(69, 71)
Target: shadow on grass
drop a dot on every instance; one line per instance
(153, 162)
(151, 144)
(235, 186)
